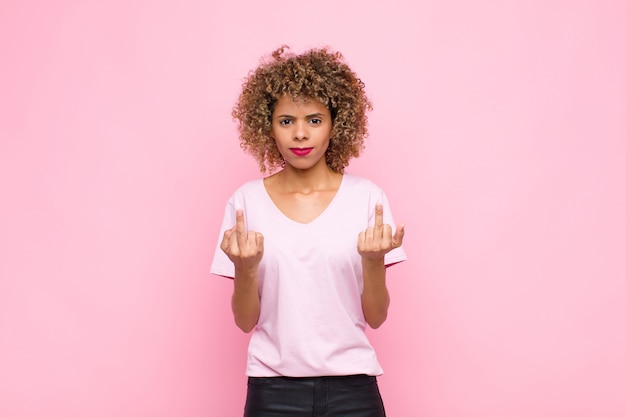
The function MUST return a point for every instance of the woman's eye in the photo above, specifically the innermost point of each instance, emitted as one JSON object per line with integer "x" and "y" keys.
{"x": 285, "y": 122}
{"x": 316, "y": 121}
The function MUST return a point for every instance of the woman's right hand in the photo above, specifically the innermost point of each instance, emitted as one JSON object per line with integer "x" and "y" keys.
{"x": 244, "y": 249}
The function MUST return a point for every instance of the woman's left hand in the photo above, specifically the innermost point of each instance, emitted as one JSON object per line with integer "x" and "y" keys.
{"x": 376, "y": 241}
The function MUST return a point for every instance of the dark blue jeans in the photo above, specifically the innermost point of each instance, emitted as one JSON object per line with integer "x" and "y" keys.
{"x": 328, "y": 396}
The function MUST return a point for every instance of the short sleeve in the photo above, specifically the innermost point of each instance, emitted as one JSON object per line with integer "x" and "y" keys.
{"x": 396, "y": 255}
{"x": 221, "y": 265}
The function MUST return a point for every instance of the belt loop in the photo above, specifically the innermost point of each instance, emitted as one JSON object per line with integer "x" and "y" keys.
{"x": 320, "y": 402}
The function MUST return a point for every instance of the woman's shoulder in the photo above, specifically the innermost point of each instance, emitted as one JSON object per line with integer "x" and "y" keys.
{"x": 356, "y": 182}
{"x": 248, "y": 188}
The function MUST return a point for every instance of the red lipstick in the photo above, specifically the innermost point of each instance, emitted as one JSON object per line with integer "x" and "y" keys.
{"x": 301, "y": 151}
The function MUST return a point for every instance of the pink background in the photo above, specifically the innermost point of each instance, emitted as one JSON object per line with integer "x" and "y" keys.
{"x": 498, "y": 133}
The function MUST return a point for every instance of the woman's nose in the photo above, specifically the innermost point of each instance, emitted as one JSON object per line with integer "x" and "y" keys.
{"x": 301, "y": 131}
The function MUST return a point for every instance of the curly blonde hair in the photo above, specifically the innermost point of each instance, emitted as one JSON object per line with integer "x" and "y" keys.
{"x": 317, "y": 74}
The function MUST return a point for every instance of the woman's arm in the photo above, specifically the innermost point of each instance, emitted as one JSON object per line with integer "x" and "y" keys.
{"x": 245, "y": 250}
{"x": 375, "y": 297}
{"x": 245, "y": 301}
{"x": 372, "y": 245}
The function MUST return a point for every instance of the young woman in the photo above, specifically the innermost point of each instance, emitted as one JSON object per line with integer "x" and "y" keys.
{"x": 308, "y": 246}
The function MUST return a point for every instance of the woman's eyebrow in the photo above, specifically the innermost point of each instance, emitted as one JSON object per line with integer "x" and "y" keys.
{"x": 308, "y": 116}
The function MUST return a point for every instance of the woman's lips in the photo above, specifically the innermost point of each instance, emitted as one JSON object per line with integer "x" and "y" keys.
{"x": 301, "y": 151}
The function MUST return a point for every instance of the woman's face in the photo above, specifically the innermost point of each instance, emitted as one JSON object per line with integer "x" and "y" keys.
{"x": 301, "y": 129}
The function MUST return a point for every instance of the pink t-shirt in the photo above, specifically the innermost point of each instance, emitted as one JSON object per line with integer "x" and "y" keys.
{"x": 310, "y": 282}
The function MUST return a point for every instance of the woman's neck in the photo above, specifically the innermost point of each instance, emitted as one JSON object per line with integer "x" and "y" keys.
{"x": 319, "y": 178}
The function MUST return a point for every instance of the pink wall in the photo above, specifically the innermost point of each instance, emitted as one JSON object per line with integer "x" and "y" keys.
{"x": 498, "y": 133}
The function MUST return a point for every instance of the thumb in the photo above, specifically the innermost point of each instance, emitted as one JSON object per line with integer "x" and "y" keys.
{"x": 259, "y": 241}
{"x": 396, "y": 240}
